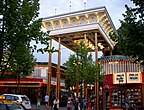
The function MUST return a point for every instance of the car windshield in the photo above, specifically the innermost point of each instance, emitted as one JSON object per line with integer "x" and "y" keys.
{"x": 15, "y": 107}
{"x": 25, "y": 99}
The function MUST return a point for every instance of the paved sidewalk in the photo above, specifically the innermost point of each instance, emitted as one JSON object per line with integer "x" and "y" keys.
{"x": 43, "y": 107}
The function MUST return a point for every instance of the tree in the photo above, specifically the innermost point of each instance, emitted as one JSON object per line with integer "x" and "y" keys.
{"x": 21, "y": 64}
{"x": 80, "y": 66}
{"x": 131, "y": 32}
{"x": 81, "y": 69}
{"x": 19, "y": 26}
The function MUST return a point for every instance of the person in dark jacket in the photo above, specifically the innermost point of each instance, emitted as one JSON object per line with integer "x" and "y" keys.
{"x": 76, "y": 104}
{"x": 84, "y": 103}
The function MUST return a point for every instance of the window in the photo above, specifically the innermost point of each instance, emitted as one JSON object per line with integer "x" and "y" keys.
{"x": 37, "y": 72}
{"x": 14, "y": 107}
{"x": 8, "y": 97}
{"x": 16, "y": 98}
{"x": 25, "y": 99}
{"x": 2, "y": 107}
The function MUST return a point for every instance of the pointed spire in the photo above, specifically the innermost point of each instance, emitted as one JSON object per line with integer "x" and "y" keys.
{"x": 55, "y": 9}
{"x": 70, "y": 5}
{"x": 85, "y": 2}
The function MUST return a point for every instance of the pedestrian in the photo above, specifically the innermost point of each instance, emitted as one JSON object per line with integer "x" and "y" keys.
{"x": 92, "y": 101}
{"x": 38, "y": 101}
{"x": 69, "y": 104}
{"x": 84, "y": 103}
{"x": 56, "y": 104}
{"x": 51, "y": 100}
{"x": 46, "y": 99}
{"x": 89, "y": 104}
{"x": 76, "y": 104}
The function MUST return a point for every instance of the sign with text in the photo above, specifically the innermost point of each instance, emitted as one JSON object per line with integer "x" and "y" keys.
{"x": 134, "y": 77}
{"x": 129, "y": 77}
{"x": 119, "y": 78}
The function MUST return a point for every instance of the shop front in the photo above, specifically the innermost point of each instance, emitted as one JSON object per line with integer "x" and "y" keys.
{"x": 123, "y": 90}
{"x": 32, "y": 87}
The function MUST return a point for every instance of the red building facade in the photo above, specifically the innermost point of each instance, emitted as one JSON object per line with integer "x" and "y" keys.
{"x": 35, "y": 85}
{"x": 115, "y": 92}
{"x": 124, "y": 82}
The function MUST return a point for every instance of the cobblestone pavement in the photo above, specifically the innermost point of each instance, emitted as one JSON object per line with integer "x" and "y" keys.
{"x": 42, "y": 107}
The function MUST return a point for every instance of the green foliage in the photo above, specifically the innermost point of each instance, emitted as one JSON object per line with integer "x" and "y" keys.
{"x": 22, "y": 62}
{"x": 131, "y": 32}
{"x": 81, "y": 67}
{"x": 71, "y": 71}
{"x": 19, "y": 26}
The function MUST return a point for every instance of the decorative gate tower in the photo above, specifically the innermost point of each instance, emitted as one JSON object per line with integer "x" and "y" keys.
{"x": 92, "y": 26}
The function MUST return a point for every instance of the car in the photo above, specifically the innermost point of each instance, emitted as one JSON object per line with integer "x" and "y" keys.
{"x": 10, "y": 105}
{"x": 23, "y": 99}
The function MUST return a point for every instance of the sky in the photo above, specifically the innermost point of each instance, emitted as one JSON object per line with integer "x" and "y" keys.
{"x": 47, "y": 8}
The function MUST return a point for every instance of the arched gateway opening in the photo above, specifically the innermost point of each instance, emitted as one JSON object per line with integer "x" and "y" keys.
{"x": 92, "y": 26}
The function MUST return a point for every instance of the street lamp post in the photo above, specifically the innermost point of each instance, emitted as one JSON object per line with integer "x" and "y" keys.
{"x": 81, "y": 85}
{"x": 81, "y": 82}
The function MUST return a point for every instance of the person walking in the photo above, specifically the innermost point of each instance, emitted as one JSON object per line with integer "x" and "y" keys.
{"x": 84, "y": 103}
{"x": 69, "y": 104}
{"x": 89, "y": 104}
{"x": 56, "y": 104}
{"x": 38, "y": 101}
{"x": 76, "y": 104}
{"x": 46, "y": 100}
{"x": 52, "y": 98}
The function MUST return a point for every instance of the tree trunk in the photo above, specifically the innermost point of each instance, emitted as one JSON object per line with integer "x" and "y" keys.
{"x": 85, "y": 89}
{"x": 18, "y": 83}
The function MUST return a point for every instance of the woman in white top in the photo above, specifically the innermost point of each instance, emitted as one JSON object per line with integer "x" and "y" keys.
{"x": 56, "y": 104}
{"x": 46, "y": 99}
